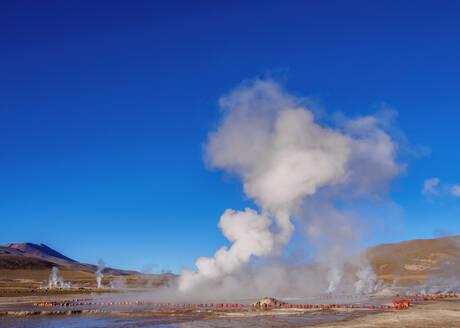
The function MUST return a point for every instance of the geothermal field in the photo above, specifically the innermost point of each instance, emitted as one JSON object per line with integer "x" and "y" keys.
{"x": 409, "y": 295}
{"x": 229, "y": 164}
{"x": 125, "y": 309}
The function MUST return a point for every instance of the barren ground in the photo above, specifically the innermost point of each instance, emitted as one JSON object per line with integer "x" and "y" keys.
{"x": 433, "y": 314}
{"x": 440, "y": 313}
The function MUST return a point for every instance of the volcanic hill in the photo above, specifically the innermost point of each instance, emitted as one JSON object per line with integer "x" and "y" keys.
{"x": 28, "y": 265}
{"x": 414, "y": 261}
{"x": 35, "y": 250}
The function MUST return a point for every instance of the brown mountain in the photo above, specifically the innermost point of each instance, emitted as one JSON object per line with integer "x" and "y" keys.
{"x": 416, "y": 260}
{"x": 29, "y": 265}
{"x": 17, "y": 256}
{"x": 35, "y": 250}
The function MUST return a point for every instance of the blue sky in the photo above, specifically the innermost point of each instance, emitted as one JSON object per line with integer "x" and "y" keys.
{"x": 105, "y": 107}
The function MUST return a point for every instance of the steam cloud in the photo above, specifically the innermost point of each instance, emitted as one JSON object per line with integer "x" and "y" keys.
{"x": 293, "y": 168}
{"x": 99, "y": 274}
{"x": 55, "y": 280}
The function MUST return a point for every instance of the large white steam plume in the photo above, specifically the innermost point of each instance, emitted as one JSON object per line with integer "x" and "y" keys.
{"x": 271, "y": 141}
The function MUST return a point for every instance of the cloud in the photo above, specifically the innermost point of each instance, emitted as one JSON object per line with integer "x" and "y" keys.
{"x": 456, "y": 190}
{"x": 430, "y": 186}
{"x": 434, "y": 186}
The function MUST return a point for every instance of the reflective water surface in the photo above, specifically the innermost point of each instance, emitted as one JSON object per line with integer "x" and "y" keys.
{"x": 105, "y": 321}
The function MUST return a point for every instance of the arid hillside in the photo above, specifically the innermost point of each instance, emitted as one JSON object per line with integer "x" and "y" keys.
{"x": 414, "y": 261}
{"x": 29, "y": 265}
{"x": 35, "y": 250}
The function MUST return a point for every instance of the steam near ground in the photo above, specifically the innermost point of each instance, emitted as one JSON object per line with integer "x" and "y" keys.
{"x": 300, "y": 173}
{"x": 99, "y": 274}
{"x": 56, "y": 281}
{"x": 446, "y": 279}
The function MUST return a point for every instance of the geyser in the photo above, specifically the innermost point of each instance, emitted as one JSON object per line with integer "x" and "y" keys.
{"x": 99, "y": 274}
{"x": 290, "y": 165}
{"x": 56, "y": 281}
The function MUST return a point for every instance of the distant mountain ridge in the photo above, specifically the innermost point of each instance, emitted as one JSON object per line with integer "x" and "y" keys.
{"x": 30, "y": 256}
{"x": 28, "y": 265}
{"x": 36, "y": 250}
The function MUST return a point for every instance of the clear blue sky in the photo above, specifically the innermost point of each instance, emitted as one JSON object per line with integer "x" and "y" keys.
{"x": 105, "y": 106}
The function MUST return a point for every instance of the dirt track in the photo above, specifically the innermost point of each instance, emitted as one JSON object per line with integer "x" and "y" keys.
{"x": 435, "y": 314}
